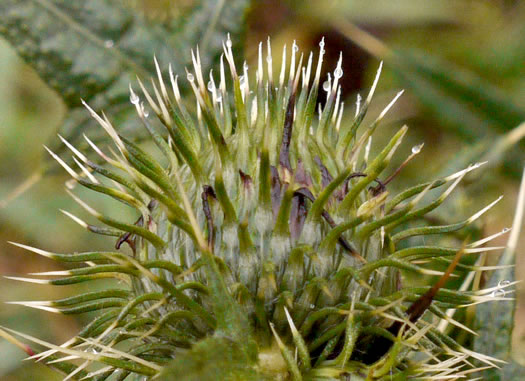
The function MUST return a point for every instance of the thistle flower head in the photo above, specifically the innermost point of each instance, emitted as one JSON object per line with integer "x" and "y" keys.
{"x": 267, "y": 240}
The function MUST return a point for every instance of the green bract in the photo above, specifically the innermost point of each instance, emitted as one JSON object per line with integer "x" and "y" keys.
{"x": 268, "y": 245}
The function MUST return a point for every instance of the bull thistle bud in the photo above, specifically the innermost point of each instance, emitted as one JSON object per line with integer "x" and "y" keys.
{"x": 268, "y": 244}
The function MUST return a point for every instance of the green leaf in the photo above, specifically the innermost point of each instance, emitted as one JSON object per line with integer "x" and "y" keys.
{"x": 94, "y": 49}
{"x": 495, "y": 320}
{"x": 216, "y": 358}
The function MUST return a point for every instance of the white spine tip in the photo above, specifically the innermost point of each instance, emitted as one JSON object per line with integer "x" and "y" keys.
{"x": 477, "y": 165}
{"x": 28, "y": 280}
{"x": 74, "y": 218}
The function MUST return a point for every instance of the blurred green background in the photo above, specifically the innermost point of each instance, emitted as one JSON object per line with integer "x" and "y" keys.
{"x": 462, "y": 64}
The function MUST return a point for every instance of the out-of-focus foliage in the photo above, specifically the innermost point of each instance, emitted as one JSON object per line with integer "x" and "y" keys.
{"x": 93, "y": 49}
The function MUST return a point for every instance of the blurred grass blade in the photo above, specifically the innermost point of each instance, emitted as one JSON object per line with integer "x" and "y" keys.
{"x": 21, "y": 189}
{"x": 385, "y": 12}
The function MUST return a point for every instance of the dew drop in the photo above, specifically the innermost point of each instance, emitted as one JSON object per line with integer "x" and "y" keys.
{"x": 109, "y": 44}
{"x": 338, "y": 72}
{"x": 229, "y": 42}
{"x": 417, "y": 149}
{"x": 321, "y": 44}
{"x": 326, "y": 86}
{"x": 498, "y": 293}
{"x": 503, "y": 283}
{"x": 211, "y": 86}
{"x": 245, "y": 66}
{"x": 219, "y": 98}
{"x": 71, "y": 184}
{"x": 269, "y": 59}
{"x": 134, "y": 98}
{"x": 242, "y": 81}
{"x": 144, "y": 111}
{"x": 295, "y": 48}
{"x": 190, "y": 77}
{"x": 505, "y": 230}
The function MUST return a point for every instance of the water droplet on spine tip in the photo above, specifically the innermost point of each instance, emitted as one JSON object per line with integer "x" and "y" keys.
{"x": 503, "y": 283}
{"x": 211, "y": 86}
{"x": 190, "y": 77}
{"x": 134, "y": 98}
{"x": 326, "y": 85}
{"x": 144, "y": 111}
{"x": 338, "y": 72}
{"x": 109, "y": 44}
{"x": 417, "y": 149}
{"x": 498, "y": 293}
